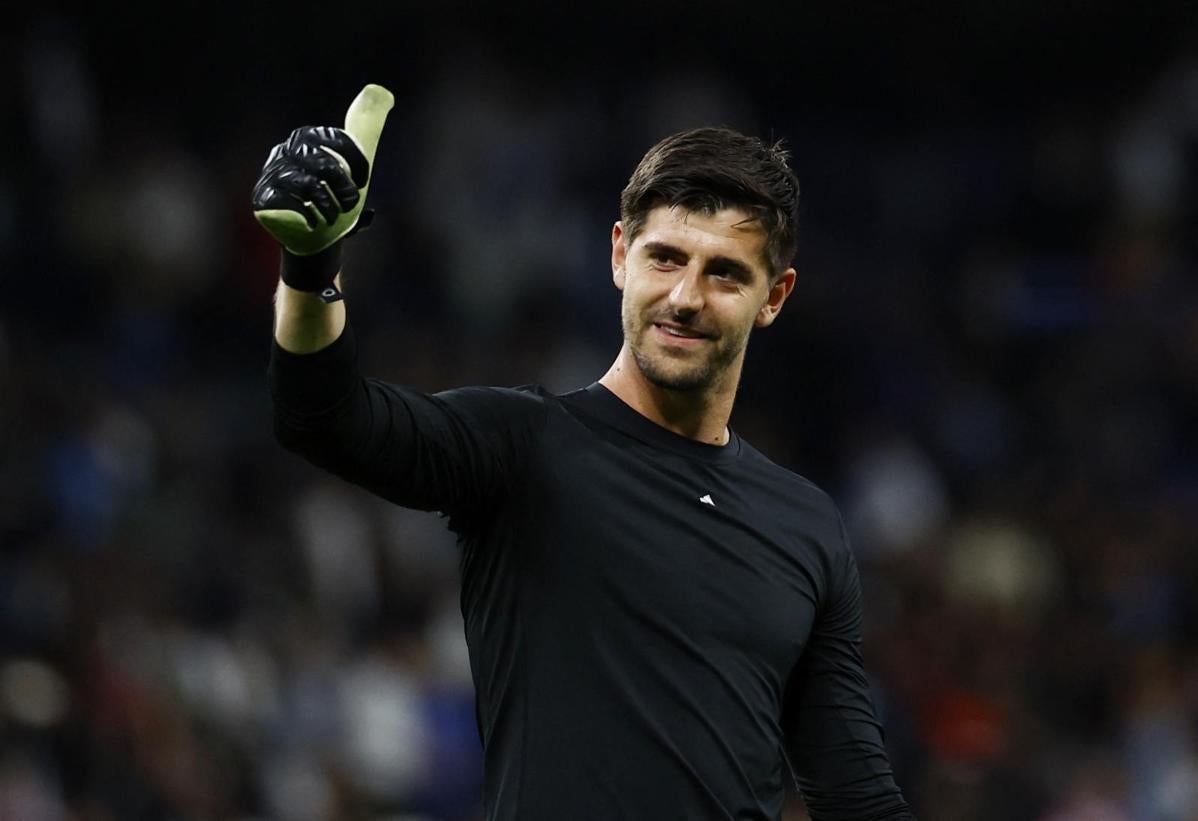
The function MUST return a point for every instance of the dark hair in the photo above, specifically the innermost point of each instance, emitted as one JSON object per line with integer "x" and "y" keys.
{"x": 709, "y": 169}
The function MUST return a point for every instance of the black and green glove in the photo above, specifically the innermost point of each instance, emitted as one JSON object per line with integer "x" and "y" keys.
{"x": 312, "y": 192}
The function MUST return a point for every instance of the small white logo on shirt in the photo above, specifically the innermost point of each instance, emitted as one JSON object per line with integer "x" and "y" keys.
{"x": 706, "y": 499}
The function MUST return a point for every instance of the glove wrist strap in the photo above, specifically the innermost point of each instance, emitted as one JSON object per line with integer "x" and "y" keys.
{"x": 313, "y": 273}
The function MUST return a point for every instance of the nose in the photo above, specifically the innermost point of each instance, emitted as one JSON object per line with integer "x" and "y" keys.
{"x": 686, "y": 297}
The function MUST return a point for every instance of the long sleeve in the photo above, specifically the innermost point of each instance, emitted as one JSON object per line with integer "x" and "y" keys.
{"x": 834, "y": 739}
{"x": 456, "y": 452}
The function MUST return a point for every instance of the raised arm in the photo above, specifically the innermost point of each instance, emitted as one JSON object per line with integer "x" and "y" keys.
{"x": 457, "y": 451}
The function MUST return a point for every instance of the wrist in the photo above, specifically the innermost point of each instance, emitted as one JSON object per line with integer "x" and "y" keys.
{"x": 312, "y": 273}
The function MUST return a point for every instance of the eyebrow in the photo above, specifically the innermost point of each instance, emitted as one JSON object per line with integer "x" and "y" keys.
{"x": 723, "y": 263}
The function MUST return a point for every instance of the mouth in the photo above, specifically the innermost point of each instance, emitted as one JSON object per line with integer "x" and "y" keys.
{"x": 678, "y": 335}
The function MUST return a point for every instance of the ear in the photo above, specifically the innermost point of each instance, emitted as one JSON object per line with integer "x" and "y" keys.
{"x": 618, "y": 255}
{"x": 779, "y": 291}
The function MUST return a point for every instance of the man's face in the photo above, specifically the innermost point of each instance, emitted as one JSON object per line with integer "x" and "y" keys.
{"x": 694, "y": 287}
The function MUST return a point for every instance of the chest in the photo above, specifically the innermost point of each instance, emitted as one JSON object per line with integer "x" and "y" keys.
{"x": 652, "y": 543}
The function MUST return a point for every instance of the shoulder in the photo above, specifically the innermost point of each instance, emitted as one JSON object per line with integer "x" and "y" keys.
{"x": 807, "y": 514}
{"x": 485, "y": 407}
{"x": 523, "y": 399}
{"x": 529, "y": 395}
{"x": 797, "y": 494}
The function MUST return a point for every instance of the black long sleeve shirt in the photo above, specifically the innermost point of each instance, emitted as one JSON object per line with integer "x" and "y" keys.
{"x": 657, "y": 627}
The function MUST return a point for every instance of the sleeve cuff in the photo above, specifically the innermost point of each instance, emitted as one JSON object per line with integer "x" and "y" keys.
{"x": 315, "y": 383}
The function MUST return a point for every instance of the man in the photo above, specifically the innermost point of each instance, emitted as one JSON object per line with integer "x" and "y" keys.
{"x": 660, "y": 620}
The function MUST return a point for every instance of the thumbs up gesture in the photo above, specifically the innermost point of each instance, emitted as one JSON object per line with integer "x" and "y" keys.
{"x": 312, "y": 189}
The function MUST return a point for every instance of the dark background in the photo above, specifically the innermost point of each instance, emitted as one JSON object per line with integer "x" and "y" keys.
{"x": 990, "y": 360}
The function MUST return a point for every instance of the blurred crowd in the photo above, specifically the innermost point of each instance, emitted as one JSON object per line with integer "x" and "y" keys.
{"x": 990, "y": 362}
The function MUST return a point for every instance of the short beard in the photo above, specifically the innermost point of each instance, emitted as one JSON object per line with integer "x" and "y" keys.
{"x": 698, "y": 379}
{"x": 706, "y": 376}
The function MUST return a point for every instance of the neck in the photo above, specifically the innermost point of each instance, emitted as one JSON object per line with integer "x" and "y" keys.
{"x": 701, "y": 415}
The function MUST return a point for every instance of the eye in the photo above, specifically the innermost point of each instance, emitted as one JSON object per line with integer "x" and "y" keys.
{"x": 661, "y": 259}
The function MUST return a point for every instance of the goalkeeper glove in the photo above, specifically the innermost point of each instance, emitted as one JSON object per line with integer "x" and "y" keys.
{"x": 312, "y": 192}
